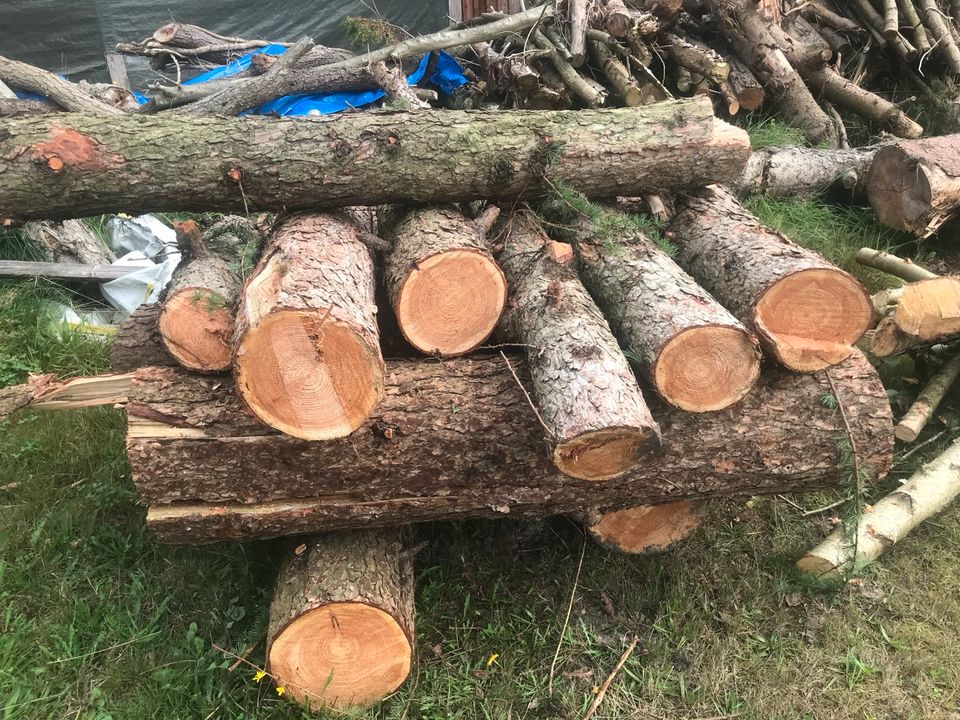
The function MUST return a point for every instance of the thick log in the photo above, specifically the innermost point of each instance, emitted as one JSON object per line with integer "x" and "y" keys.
{"x": 307, "y": 353}
{"x": 67, "y": 165}
{"x": 341, "y": 619}
{"x": 915, "y": 185}
{"x": 14, "y": 107}
{"x": 807, "y": 313}
{"x": 645, "y": 529}
{"x": 696, "y": 355}
{"x": 446, "y": 290}
{"x": 138, "y": 342}
{"x": 69, "y": 242}
{"x": 597, "y": 423}
{"x": 196, "y": 322}
{"x": 791, "y": 171}
{"x": 458, "y": 439}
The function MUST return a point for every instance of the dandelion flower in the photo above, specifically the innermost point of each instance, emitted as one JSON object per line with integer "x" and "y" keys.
{"x": 492, "y": 659}
{"x": 259, "y": 676}
{"x": 280, "y": 690}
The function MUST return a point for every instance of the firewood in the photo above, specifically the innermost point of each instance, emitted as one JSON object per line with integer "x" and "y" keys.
{"x": 915, "y": 186}
{"x": 444, "y": 286}
{"x": 617, "y": 74}
{"x": 749, "y": 91}
{"x": 790, "y": 171}
{"x": 71, "y": 241}
{"x": 196, "y": 322}
{"x": 577, "y": 11}
{"x": 939, "y": 26}
{"x": 307, "y": 353}
{"x": 929, "y": 309}
{"x": 341, "y": 619}
{"x": 696, "y": 355}
{"x": 923, "y": 408}
{"x": 63, "y": 92}
{"x": 813, "y": 10}
{"x": 696, "y": 58}
{"x": 912, "y": 20}
{"x": 807, "y": 313}
{"x": 622, "y": 21}
{"x": 597, "y": 423}
{"x": 645, "y": 529}
{"x": 95, "y": 163}
{"x": 928, "y": 491}
{"x": 590, "y": 96}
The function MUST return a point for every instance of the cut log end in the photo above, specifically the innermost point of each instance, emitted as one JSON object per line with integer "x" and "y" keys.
{"x": 603, "y": 454}
{"x": 817, "y": 566}
{"x": 707, "y": 368}
{"x": 647, "y": 528}
{"x": 751, "y": 98}
{"x": 341, "y": 654}
{"x": 196, "y": 327}
{"x": 313, "y": 377}
{"x": 451, "y": 302}
{"x": 898, "y": 188}
{"x": 812, "y": 318}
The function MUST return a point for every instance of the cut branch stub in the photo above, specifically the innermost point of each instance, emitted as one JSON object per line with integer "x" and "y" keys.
{"x": 807, "y": 313}
{"x": 307, "y": 358}
{"x": 645, "y": 529}
{"x": 445, "y": 288}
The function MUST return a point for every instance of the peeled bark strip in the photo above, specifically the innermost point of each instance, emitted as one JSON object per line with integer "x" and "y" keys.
{"x": 307, "y": 358}
{"x": 341, "y": 619}
{"x": 696, "y": 355}
{"x": 915, "y": 186}
{"x": 645, "y": 529}
{"x": 807, "y": 313}
{"x": 597, "y": 422}
{"x": 69, "y": 241}
{"x": 791, "y": 171}
{"x": 138, "y": 342}
{"x": 445, "y": 288}
{"x": 67, "y": 165}
{"x": 458, "y": 439}
{"x": 196, "y": 322}
{"x": 919, "y": 414}
{"x": 929, "y": 490}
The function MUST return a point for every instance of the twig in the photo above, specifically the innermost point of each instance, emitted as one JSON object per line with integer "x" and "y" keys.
{"x": 533, "y": 407}
{"x": 246, "y": 653}
{"x": 606, "y": 683}
{"x": 909, "y": 452}
{"x": 566, "y": 620}
{"x": 239, "y": 659}
{"x": 831, "y": 506}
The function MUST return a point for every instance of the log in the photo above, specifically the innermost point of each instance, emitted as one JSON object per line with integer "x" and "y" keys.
{"x": 791, "y": 171}
{"x": 807, "y": 313}
{"x": 929, "y": 490}
{"x": 41, "y": 82}
{"x": 14, "y": 107}
{"x": 64, "y": 165}
{"x": 903, "y": 268}
{"x": 697, "y": 59}
{"x": 694, "y": 353}
{"x": 577, "y": 10}
{"x": 444, "y": 286}
{"x": 458, "y": 439}
{"x": 341, "y": 619}
{"x": 929, "y": 309}
{"x": 596, "y": 421}
{"x": 750, "y": 93}
{"x": 20, "y": 269}
{"x": 196, "y": 322}
{"x": 306, "y": 348}
{"x": 915, "y": 186}
{"x": 69, "y": 242}
{"x": 138, "y": 342}
{"x": 939, "y": 26}
{"x": 923, "y": 408}
{"x": 591, "y": 95}
{"x": 617, "y": 74}
{"x": 623, "y": 22}
{"x": 645, "y": 529}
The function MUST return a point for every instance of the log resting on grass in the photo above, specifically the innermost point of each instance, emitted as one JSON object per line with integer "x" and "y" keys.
{"x": 915, "y": 185}
{"x": 66, "y": 165}
{"x": 341, "y": 619}
{"x": 458, "y": 439}
{"x": 645, "y": 529}
{"x": 923, "y": 408}
{"x": 790, "y": 171}
{"x": 597, "y": 423}
{"x": 807, "y": 313}
{"x": 307, "y": 352}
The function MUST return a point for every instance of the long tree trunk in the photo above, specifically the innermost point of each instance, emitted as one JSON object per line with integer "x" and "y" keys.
{"x": 695, "y": 354}
{"x": 307, "y": 351}
{"x": 341, "y": 619}
{"x": 807, "y": 313}
{"x": 644, "y": 529}
{"x": 790, "y": 171}
{"x": 458, "y": 439}
{"x": 68, "y": 165}
{"x": 445, "y": 288}
{"x": 915, "y": 185}
{"x": 597, "y": 423}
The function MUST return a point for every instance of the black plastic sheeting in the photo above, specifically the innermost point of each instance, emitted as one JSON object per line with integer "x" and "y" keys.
{"x": 70, "y": 37}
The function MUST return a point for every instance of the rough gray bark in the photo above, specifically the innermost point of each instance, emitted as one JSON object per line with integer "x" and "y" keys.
{"x": 64, "y": 93}
{"x": 458, "y": 439}
{"x": 64, "y": 165}
{"x": 597, "y": 423}
{"x": 617, "y": 74}
{"x": 341, "y": 630}
{"x": 70, "y": 241}
{"x": 138, "y": 342}
{"x": 14, "y": 107}
{"x": 790, "y": 171}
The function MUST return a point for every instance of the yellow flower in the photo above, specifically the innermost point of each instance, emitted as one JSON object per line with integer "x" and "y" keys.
{"x": 259, "y": 676}
{"x": 492, "y": 659}
{"x": 280, "y": 690}
{"x": 595, "y": 689}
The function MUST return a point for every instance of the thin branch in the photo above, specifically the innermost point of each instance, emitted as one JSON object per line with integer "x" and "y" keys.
{"x": 566, "y": 620}
{"x": 606, "y": 683}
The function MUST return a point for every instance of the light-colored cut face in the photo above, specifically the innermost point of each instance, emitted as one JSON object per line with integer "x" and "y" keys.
{"x": 308, "y": 375}
{"x": 451, "y": 302}
{"x": 813, "y": 318}
{"x": 899, "y": 190}
{"x": 707, "y": 368}
{"x": 648, "y": 528}
{"x": 196, "y": 327}
{"x": 601, "y": 454}
{"x": 341, "y": 654}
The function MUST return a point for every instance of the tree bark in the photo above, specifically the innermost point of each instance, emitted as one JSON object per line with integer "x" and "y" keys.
{"x": 934, "y": 19}
{"x": 64, "y": 93}
{"x": 701, "y": 60}
{"x": 341, "y": 620}
{"x": 307, "y": 353}
{"x": 905, "y": 269}
{"x": 597, "y": 423}
{"x": 791, "y": 171}
{"x": 14, "y": 107}
{"x": 696, "y": 355}
{"x": 750, "y": 93}
{"x": 138, "y": 342}
{"x": 458, "y": 439}
{"x": 70, "y": 241}
{"x": 929, "y": 490}
{"x": 64, "y": 165}
{"x": 915, "y": 186}
{"x": 617, "y": 74}
{"x": 807, "y": 313}
{"x": 644, "y": 529}
{"x": 444, "y": 286}
{"x": 922, "y": 409}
